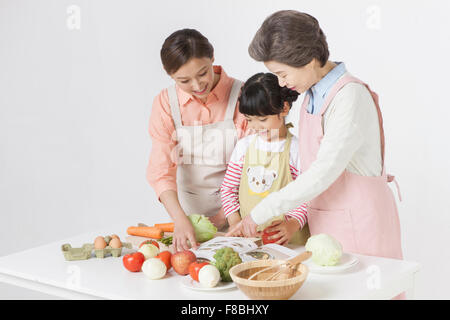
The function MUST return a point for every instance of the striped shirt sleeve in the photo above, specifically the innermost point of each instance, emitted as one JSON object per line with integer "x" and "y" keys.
{"x": 230, "y": 185}
{"x": 230, "y": 188}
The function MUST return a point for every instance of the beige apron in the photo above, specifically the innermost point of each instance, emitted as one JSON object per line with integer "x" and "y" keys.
{"x": 265, "y": 172}
{"x": 204, "y": 151}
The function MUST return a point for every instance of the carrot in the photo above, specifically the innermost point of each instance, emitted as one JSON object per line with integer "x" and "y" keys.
{"x": 166, "y": 227}
{"x": 149, "y": 232}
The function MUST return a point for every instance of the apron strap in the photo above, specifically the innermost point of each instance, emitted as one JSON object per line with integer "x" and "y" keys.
{"x": 341, "y": 83}
{"x": 305, "y": 102}
{"x": 174, "y": 106}
{"x": 351, "y": 79}
{"x": 392, "y": 179}
{"x": 232, "y": 99}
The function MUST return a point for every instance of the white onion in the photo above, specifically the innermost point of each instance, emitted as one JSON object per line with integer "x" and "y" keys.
{"x": 154, "y": 268}
{"x": 209, "y": 276}
{"x": 149, "y": 251}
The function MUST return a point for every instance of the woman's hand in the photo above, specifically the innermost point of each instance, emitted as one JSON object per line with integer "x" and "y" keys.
{"x": 183, "y": 232}
{"x": 285, "y": 230}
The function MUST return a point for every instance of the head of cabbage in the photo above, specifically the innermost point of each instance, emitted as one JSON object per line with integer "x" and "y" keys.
{"x": 326, "y": 250}
{"x": 204, "y": 229}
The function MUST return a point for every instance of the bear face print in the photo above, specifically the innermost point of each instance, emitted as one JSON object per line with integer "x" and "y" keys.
{"x": 259, "y": 179}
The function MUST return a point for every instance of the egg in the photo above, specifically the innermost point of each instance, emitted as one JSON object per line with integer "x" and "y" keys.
{"x": 115, "y": 243}
{"x": 99, "y": 243}
{"x": 115, "y": 236}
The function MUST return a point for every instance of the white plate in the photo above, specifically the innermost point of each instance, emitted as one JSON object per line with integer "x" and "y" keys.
{"x": 347, "y": 261}
{"x": 188, "y": 282}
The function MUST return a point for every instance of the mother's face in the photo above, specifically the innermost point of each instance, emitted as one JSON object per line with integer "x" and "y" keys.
{"x": 196, "y": 77}
{"x": 298, "y": 79}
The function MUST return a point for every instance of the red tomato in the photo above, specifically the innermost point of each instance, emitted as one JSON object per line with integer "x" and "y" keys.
{"x": 195, "y": 267}
{"x": 266, "y": 235}
{"x": 149, "y": 242}
{"x": 165, "y": 257}
{"x": 133, "y": 261}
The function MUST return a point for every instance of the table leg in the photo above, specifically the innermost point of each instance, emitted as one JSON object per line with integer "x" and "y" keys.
{"x": 410, "y": 291}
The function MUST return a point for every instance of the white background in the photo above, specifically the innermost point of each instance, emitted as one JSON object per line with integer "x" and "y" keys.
{"x": 75, "y": 105}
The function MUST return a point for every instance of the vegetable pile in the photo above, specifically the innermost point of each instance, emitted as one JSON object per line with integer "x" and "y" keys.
{"x": 225, "y": 259}
{"x": 149, "y": 259}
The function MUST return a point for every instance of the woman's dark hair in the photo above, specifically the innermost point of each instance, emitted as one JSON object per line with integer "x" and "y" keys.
{"x": 181, "y": 46}
{"x": 290, "y": 37}
{"x": 261, "y": 95}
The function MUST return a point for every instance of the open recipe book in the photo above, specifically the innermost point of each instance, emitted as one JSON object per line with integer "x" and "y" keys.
{"x": 248, "y": 248}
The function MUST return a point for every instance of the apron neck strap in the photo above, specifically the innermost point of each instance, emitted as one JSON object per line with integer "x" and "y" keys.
{"x": 232, "y": 99}
{"x": 174, "y": 106}
{"x": 338, "y": 86}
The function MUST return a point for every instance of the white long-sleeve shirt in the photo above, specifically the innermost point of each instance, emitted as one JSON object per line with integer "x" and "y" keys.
{"x": 351, "y": 142}
{"x": 231, "y": 182}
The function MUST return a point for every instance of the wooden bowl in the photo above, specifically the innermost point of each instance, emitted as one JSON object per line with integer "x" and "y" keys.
{"x": 279, "y": 289}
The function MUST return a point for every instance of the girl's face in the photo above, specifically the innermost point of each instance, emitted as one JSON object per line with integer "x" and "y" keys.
{"x": 196, "y": 77}
{"x": 298, "y": 79}
{"x": 269, "y": 127}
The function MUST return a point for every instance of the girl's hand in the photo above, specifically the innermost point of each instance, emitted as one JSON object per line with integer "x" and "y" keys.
{"x": 247, "y": 227}
{"x": 219, "y": 219}
{"x": 183, "y": 231}
{"x": 233, "y": 219}
{"x": 285, "y": 230}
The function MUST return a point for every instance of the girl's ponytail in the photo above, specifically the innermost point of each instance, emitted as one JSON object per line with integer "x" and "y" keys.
{"x": 288, "y": 95}
{"x": 261, "y": 95}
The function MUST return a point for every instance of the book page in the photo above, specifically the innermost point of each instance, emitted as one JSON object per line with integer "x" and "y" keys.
{"x": 249, "y": 249}
{"x": 208, "y": 249}
{"x": 269, "y": 251}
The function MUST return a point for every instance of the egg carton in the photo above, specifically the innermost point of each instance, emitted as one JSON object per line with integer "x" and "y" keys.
{"x": 85, "y": 251}
{"x": 115, "y": 252}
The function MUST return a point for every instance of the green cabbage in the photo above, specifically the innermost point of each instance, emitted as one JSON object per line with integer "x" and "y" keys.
{"x": 326, "y": 250}
{"x": 204, "y": 229}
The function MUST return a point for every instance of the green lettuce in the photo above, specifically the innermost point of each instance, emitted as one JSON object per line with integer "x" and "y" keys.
{"x": 326, "y": 250}
{"x": 204, "y": 229}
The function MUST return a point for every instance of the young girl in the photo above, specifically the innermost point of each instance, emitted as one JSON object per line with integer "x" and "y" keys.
{"x": 265, "y": 160}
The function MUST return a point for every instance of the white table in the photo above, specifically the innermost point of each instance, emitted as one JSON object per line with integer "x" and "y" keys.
{"x": 44, "y": 269}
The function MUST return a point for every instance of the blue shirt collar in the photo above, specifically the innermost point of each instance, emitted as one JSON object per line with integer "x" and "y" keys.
{"x": 321, "y": 88}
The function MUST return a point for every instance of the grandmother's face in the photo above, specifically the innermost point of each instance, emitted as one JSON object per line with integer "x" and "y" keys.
{"x": 298, "y": 79}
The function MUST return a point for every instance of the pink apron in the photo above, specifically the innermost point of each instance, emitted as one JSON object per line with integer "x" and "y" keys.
{"x": 359, "y": 211}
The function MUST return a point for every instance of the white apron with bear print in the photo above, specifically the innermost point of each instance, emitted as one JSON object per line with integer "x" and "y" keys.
{"x": 265, "y": 172}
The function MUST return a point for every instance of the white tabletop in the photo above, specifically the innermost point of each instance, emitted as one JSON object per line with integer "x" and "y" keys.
{"x": 44, "y": 269}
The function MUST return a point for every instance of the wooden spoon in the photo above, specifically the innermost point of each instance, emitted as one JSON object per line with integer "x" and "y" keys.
{"x": 288, "y": 263}
{"x": 287, "y": 270}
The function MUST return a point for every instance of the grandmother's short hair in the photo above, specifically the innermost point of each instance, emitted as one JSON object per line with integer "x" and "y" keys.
{"x": 290, "y": 37}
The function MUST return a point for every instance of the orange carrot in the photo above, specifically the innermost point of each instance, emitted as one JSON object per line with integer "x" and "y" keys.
{"x": 166, "y": 227}
{"x": 149, "y": 232}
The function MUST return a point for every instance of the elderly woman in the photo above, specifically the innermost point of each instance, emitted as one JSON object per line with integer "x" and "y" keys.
{"x": 341, "y": 143}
